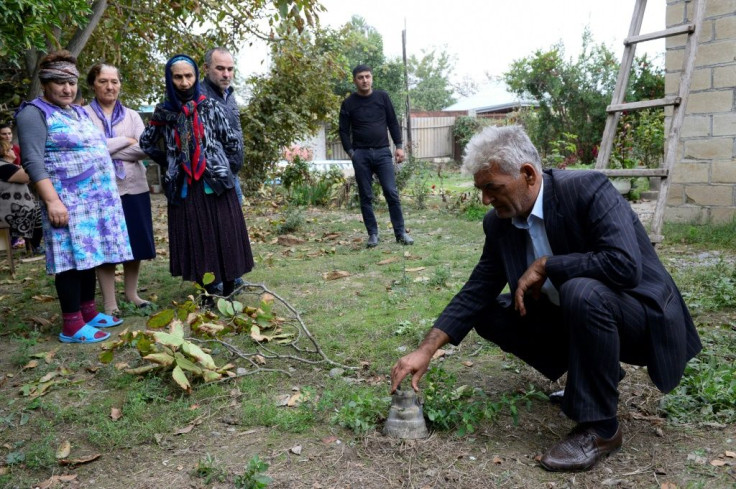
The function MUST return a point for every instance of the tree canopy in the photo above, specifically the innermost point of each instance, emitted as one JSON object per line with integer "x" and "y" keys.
{"x": 135, "y": 35}
{"x": 573, "y": 93}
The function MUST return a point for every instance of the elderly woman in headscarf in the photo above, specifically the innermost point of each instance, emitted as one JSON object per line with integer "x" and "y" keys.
{"x": 189, "y": 135}
{"x": 123, "y": 128}
{"x": 66, "y": 157}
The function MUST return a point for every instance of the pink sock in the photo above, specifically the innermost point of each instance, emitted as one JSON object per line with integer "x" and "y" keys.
{"x": 89, "y": 310}
{"x": 73, "y": 322}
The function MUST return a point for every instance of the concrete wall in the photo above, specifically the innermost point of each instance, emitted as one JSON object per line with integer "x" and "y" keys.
{"x": 703, "y": 185}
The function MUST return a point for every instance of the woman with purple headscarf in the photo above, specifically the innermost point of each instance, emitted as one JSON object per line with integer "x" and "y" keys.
{"x": 122, "y": 128}
{"x": 190, "y": 136}
{"x": 66, "y": 157}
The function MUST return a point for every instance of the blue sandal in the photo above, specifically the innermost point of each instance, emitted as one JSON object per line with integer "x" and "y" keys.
{"x": 85, "y": 335}
{"x": 103, "y": 320}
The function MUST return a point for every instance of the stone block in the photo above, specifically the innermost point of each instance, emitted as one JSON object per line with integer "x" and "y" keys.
{"x": 722, "y": 215}
{"x": 709, "y": 195}
{"x": 675, "y": 14}
{"x": 723, "y": 171}
{"x": 691, "y": 172}
{"x": 702, "y": 80}
{"x": 709, "y": 149}
{"x": 724, "y": 124}
{"x": 675, "y": 41}
{"x": 714, "y": 53}
{"x": 711, "y": 102}
{"x": 725, "y": 27}
{"x": 696, "y": 126}
{"x": 685, "y": 215}
{"x": 676, "y": 195}
{"x": 715, "y": 8}
{"x": 673, "y": 60}
{"x": 724, "y": 76}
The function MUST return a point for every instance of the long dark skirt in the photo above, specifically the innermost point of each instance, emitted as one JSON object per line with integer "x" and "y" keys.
{"x": 207, "y": 233}
{"x": 137, "y": 210}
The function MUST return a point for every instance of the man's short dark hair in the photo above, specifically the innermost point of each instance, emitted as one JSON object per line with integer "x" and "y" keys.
{"x": 360, "y": 69}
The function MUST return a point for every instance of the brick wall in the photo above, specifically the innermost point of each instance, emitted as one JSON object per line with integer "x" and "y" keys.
{"x": 703, "y": 185}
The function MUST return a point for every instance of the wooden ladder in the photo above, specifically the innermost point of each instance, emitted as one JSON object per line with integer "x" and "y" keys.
{"x": 677, "y": 102}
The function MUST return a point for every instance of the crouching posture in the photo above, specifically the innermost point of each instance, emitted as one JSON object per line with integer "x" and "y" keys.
{"x": 587, "y": 291}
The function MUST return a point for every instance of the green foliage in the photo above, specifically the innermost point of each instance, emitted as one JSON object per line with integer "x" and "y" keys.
{"x": 711, "y": 235}
{"x": 573, "y": 94}
{"x": 135, "y": 36}
{"x": 440, "y": 276}
{"x": 288, "y": 103}
{"x": 463, "y": 408}
{"x": 295, "y": 173}
{"x": 639, "y": 140}
{"x": 292, "y": 221}
{"x": 465, "y": 128}
{"x": 362, "y": 411}
{"x": 563, "y": 152}
{"x": 253, "y": 477}
{"x": 707, "y": 392}
{"x": 429, "y": 85}
{"x": 209, "y": 469}
{"x": 710, "y": 287}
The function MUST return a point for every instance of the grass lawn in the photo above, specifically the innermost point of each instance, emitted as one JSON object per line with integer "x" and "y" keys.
{"x": 317, "y": 423}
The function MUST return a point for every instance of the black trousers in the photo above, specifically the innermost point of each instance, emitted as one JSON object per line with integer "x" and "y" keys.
{"x": 592, "y": 330}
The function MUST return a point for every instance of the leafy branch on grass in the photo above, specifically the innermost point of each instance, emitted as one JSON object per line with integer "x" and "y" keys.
{"x": 179, "y": 354}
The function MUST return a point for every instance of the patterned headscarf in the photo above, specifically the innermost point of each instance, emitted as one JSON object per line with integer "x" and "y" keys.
{"x": 59, "y": 70}
{"x": 188, "y": 128}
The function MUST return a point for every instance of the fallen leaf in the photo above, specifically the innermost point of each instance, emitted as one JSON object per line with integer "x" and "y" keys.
{"x": 43, "y": 298}
{"x": 185, "y": 430}
{"x": 4, "y": 469}
{"x": 295, "y": 400}
{"x": 79, "y": 461}
{"x": 468, "y": 363}
{"x": 51, "y": 481}
{"x": 259, "y": 359}
{"x": 121, "y": 366}
{"x": 718, "y": 462}
{"x": 283, "y": 400}
{"x": 116, "y": 414}
{"x": 329, "y": 439}
{"x": 668, "y": 485}
{"x": 92, "y": 369}
{"x": 497, "y": 460}
{"x": 415, "y": 269}
{"x": 297, "y": 450}
{"x": 64, "y": 449}
{"x": 439, "y": 353}
{"x": 31, "y": 364}
{"x": 730, "y": 454}
{"x": 289, "y": 240}
{"x": 43, "y": 322}
{"x": 393, "y": 259}
{"x": 48, "y": 376}
{"x": 335, "y": 274}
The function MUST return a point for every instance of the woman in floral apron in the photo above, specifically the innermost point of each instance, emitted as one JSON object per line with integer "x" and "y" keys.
{"x": 66, "y": 157}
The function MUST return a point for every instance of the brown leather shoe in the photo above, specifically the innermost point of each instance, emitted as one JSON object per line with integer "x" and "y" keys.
{"x": 580, "y": 450}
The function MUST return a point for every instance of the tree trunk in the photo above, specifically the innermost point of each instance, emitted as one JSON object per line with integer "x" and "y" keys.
{"x": 75, "y": 46}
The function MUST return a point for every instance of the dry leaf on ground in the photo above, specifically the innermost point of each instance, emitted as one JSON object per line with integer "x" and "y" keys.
{"x": 335, "y": 274}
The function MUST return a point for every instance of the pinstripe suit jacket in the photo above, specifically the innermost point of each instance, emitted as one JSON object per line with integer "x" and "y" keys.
{"x": 593, "y": 233}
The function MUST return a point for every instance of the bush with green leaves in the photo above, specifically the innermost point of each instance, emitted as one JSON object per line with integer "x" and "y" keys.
{"x": 466, "y": 127}
{"x": 362, "y": 411}
{"x": 463, "y": 408}
{"x": 707, "y": 392}
{"x": 253, "y": 477}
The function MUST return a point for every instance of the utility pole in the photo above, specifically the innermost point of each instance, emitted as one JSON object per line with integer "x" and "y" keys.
{"x": 409, "y": 145}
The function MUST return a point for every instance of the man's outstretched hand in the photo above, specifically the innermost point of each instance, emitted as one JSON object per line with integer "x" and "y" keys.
{"x": 416, "y": 363}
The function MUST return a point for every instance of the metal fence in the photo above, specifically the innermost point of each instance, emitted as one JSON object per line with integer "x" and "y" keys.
{"x": 431, "y": 138}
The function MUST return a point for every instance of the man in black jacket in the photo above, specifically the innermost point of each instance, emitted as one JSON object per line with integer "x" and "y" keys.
{"x": 587, "y": 291}
{"x": 365, "y": 117}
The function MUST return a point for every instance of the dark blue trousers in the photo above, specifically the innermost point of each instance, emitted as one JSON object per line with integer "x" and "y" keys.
{"x": 366, "y": 162}
{"x": 587, "y": 335}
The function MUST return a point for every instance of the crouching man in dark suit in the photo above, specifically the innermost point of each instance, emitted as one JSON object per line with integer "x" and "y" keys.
{"x": 587, "y": 291}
